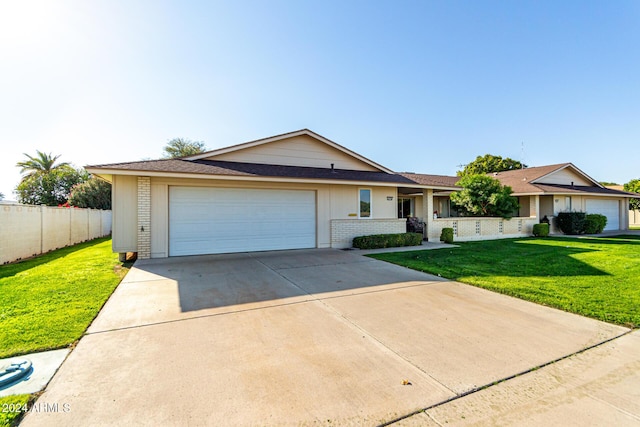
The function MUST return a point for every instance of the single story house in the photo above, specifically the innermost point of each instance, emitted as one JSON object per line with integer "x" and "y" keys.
{"x": 301, "y": 190}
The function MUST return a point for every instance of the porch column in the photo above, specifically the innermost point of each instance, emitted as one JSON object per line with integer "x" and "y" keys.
{"x": 427, "y": 209}
{"x": 144, "y": 217}
{"x": 624, "y": 214}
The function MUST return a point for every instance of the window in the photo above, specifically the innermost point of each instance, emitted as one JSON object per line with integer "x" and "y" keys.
{"x": 365, "y": 203}
{"x": 404, "y": 207}
{"x": 567, "y": 203}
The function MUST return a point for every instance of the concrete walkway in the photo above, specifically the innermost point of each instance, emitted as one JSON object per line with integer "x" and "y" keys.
{"x": 309, "y": 337}
{"x": 598, "y": 387}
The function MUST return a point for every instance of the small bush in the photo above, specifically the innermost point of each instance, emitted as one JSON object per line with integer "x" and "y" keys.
{"x": 446, "y": 235}
{"x": 541, "y": 230}
{"x": 376, "y": 241}
{"x": 594, "y": 223}
{"x": 571, "y": 222}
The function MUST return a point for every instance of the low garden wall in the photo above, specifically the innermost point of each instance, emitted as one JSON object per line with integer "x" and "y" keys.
{"x": 634, "y": 217}
{"x": 474, "y": 228}
{"x": 26, "y": 230}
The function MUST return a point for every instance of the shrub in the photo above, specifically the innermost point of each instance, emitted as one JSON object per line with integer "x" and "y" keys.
{"x": 541, "y": 230}
{"x": 446, "y": 235}
{"x": 571, "y": 222}
{"x": 594, "y": 223}
{"x": 376, "y": 241}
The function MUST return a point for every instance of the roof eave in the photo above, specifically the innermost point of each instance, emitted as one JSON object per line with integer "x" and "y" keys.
{"x": 261, "y": 178}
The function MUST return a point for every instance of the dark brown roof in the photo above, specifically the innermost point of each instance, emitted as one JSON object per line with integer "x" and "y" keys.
{"x": 432, "y": 180}
{"x": 582, "y": 189}
{"x": 514, "y": 179}
{"x": 219, "y": 167}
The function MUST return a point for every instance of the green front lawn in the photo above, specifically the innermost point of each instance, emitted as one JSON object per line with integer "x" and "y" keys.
{"x": 594, "y": 277}
{"x": 48, "y": 302}
{"x": 12, "y": 408}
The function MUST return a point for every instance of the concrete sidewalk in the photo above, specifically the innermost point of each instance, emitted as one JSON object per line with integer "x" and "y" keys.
{"x": 298, "y": 338}
{"x": 598, "y": 387}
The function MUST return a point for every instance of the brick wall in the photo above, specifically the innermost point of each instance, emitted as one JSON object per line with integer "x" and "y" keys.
{"x": 144, "y": 217}
{"x": 344, "y": 230}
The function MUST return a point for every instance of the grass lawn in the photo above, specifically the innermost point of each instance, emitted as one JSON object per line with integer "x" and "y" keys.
{"x": 594, "y": 277}
{"x": 12, "y": 408}
{"x": 634, "y": 227}
{"x": 49, "y": 301}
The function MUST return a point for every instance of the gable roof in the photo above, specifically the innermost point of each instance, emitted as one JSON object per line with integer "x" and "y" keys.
{"x": 220, "y": 168}
{"x": 521, "y": 177}
{"x": 307, "y": 132}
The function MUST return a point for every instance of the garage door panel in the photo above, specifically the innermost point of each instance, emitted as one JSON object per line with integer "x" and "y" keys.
{"x": 216, "y": 220}
{"x": 608, "y": 208}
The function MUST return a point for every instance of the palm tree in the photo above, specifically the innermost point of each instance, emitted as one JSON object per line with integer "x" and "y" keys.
{"x": 182, "y": 147}
{"x": 41, "y": 163}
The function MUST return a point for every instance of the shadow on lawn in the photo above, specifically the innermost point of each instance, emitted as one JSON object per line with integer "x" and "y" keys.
{"x": 510, "y": 258}
{"x": 8, "y": 270}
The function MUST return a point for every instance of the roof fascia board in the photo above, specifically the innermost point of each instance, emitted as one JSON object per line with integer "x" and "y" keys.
{"x": 261, "y": 179}
{"x": 281, "y": 137}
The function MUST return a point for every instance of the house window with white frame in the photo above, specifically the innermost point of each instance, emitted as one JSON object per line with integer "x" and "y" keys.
{"x": 364, "y": 203}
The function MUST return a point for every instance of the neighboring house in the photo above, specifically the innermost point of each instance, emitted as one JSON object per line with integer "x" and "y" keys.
{"x": 301, "y": 190}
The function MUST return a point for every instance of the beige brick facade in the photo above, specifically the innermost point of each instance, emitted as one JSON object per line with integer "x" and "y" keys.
{"x": 344, "y": 230}
{"x": 144, "y": 217}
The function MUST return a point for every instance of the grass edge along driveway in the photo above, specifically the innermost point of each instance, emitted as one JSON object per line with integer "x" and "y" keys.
{"x": 593, "y": 277}
{"x": 49, "y": 301}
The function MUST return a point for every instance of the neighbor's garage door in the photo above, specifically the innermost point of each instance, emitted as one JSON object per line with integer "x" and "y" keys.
{"x": 608, "y": 208}
{"x": 222, "y": 220}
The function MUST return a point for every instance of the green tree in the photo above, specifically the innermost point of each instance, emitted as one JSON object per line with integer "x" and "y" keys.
{"x": 94, "y": 193}
{"x": 181, "y": 147}
{"x": 489, "y": 164}
{"x": 482, "y": 195}
{"x": 46, "y": 182}
{"x": 1, "y": 196}
{"x": 633, "y": 186}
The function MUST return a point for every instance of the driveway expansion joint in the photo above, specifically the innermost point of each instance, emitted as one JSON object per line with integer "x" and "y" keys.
{"x": 500, "y": 381}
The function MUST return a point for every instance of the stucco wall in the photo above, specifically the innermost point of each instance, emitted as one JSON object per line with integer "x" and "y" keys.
{"x": 564, "y": 177}
{"x": 124, "y": 196}
{"x": 26, "y": 231}
{"x": 301, "y": 150}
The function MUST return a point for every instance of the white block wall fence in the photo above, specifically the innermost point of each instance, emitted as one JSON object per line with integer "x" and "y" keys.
{"x": 634, "y": 217}
{"x": 27, "y": 230}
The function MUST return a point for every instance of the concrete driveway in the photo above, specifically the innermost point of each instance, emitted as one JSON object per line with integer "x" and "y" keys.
{"x": 297, "y": 338}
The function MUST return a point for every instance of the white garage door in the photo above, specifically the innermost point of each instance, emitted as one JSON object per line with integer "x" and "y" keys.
{"x": 223, "y": 220}
{"x": 608, "y": 208}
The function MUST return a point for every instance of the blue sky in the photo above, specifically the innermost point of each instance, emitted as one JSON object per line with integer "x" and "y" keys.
{"x": 420, "y": 86}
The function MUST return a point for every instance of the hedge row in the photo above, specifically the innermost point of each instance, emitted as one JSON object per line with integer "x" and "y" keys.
{"x": 376, "y": 241}
{"x": 581, "y": 223}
